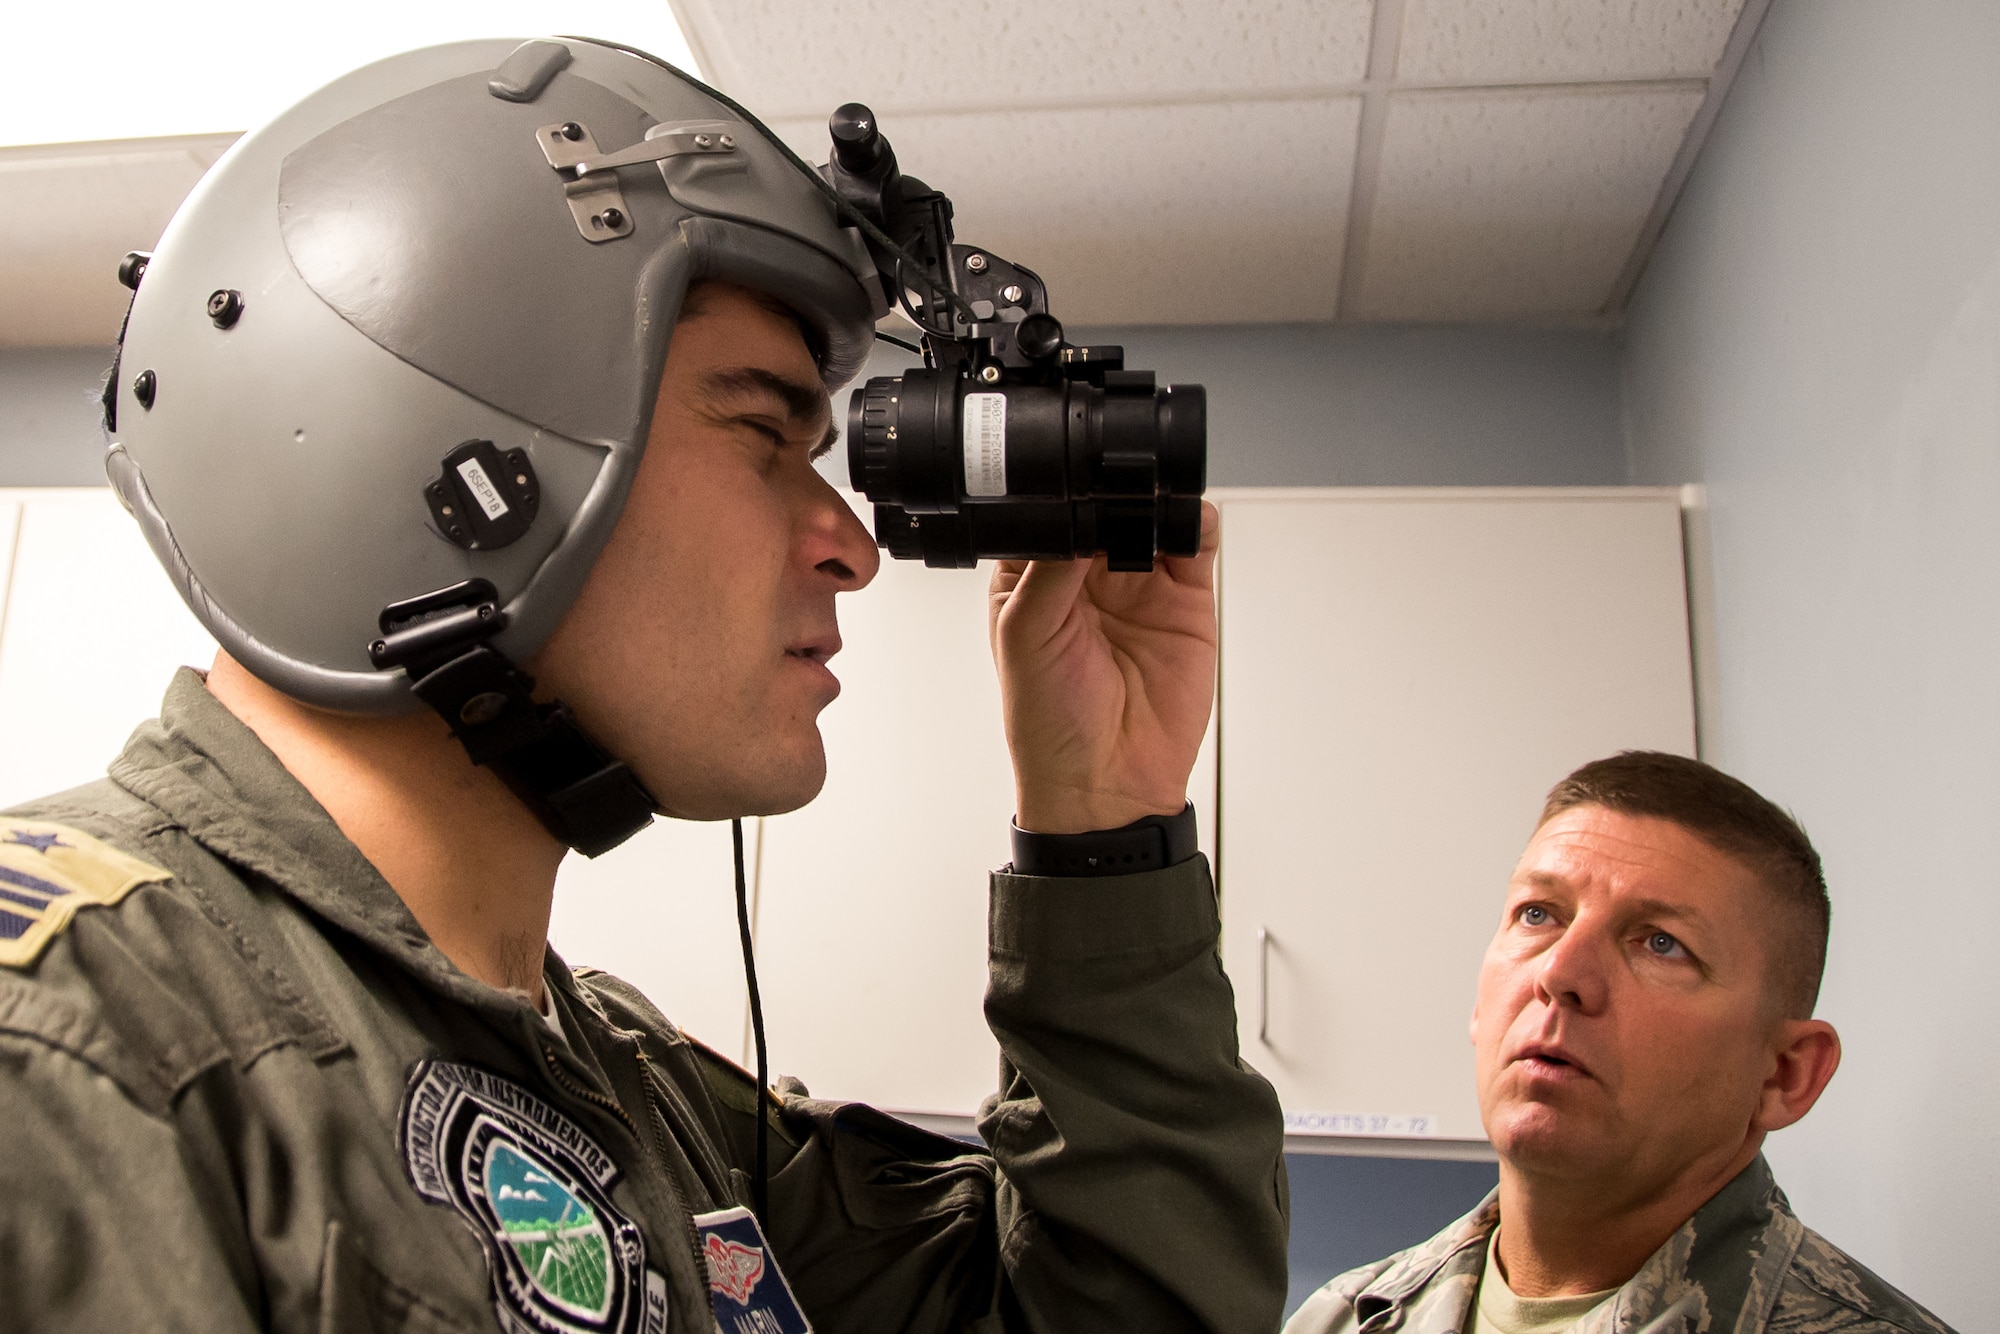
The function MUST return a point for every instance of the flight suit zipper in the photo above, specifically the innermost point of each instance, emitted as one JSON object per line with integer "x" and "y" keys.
{"x": 661, "y": 1148}
{"x": 577, "y": 1089}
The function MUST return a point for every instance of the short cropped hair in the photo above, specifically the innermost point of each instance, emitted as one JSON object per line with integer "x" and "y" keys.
{"x": 698, "y": 301}
{"x": 1736, "y": 820}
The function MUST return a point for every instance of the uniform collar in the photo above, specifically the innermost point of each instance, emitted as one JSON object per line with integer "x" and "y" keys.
{"x": 208, "y": 772}
{"x": 1721, "y": 1270}
{"x": 1429, "y": 1270}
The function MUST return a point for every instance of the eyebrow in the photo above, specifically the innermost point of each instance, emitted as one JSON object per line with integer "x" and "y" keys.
{"x": 1662, "y": 908}
{"x": 1543, "y": 880}
{"x": 803, "y": 402}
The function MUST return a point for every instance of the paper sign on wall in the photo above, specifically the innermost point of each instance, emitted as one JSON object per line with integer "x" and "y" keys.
{"x": 1396, "y": 1125}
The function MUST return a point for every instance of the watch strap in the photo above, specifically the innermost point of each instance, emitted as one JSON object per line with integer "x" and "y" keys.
{"x": 1151, "y": 844}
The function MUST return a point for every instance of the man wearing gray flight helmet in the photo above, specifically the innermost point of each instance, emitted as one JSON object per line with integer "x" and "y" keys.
{"x": 471, "y": 405}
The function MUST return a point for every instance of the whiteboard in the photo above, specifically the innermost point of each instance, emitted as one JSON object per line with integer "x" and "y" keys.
{"x": 1404, "y": 675}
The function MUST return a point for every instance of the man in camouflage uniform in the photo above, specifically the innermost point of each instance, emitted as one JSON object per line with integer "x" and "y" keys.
{"x": 406, "y": 401}
{"x": 1643, "y": 1022}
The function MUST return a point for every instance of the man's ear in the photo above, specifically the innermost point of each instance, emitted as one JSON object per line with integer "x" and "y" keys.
{"x": 1806, "y": 1052}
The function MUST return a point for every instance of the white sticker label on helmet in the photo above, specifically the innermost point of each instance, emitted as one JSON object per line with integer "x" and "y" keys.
{"x": 985, "y": 444}
{"x": 482, "y": 488}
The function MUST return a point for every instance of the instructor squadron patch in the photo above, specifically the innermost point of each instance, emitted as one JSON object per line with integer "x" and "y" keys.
{"x": 47, "y": 873}
{"x": 536, "y": 1189}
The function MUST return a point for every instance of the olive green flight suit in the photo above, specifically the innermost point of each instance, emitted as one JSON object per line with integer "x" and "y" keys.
{"x": 239, "y": 1090}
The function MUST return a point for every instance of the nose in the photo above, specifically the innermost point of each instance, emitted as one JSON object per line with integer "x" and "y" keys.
{"x": 836, "y": 542}
{"x": 1571, "y": 972}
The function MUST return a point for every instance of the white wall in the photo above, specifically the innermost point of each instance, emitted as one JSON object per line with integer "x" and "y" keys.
{"x": 1818, "y": 340}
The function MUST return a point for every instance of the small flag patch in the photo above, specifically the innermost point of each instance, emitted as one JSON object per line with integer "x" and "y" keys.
{"x": 749, "y": 1294}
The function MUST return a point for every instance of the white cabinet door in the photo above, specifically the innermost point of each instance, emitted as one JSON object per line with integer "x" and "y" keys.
{"x": 659, "y": 910}
{"x": 93, "y": 631}
{"x": 1405, "y": 674}
{"x": 871, "y": 928}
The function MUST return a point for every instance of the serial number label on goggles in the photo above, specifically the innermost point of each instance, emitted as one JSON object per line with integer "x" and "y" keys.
{"x": 985, "y": 444}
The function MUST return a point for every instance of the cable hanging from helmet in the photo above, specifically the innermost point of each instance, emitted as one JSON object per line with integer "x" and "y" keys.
{"x": 760, "y": 1184}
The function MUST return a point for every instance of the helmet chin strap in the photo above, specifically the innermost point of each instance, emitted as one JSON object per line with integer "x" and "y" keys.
{"x": 581, "y": 794}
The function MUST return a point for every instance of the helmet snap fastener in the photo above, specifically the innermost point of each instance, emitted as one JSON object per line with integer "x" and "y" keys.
{"x": 482, "y": 708}
{"x": 225, "y": 307}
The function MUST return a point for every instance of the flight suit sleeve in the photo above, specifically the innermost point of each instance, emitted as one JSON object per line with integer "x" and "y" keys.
{"x": 102, "y": 1226}
{"x": 1135, "y": 1178}
{"x": 1141, "y": 1168}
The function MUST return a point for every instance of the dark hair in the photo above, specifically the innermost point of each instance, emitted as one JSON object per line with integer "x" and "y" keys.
{"x": 695, "y": 302}
{"x": 1732, "y": 817}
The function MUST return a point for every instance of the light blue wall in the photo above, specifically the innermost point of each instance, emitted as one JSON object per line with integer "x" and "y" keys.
{"x": 1818, "y": 340}
{"x": 1325, "y": 405}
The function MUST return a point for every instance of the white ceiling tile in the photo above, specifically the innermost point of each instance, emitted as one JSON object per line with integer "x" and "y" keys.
{"x": 1514, "y": 205}
{"x": 1171, "y": 215}
{"x": 784, "y": 58}
{"x": 66, "y": 217}
{"x": 121, "y": 69}
{"x": 1487, "y": 41}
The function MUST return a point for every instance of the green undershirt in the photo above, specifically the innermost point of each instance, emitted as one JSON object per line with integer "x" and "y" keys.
{"x": 1499, "y": 1311}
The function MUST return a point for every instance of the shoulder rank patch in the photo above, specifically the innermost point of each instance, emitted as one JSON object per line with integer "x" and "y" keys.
{"x": 48, "y": 872}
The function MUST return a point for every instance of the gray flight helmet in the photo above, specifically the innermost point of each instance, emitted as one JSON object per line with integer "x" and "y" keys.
{"x": 407, "y": 262}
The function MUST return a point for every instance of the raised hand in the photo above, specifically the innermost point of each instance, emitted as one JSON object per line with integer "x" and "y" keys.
{"x": 1106, "y": 681}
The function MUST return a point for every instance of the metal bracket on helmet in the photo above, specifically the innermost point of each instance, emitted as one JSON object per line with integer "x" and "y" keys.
{"x": 582, "y": 795}
{"x": 595, "y": 200}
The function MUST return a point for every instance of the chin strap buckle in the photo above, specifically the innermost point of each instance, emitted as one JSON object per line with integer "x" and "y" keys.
{"x": 582, "y": 795}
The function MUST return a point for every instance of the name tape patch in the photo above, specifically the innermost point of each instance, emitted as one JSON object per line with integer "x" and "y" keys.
{"x": 749, "y": 1294}
{"x": 50, "y": 872}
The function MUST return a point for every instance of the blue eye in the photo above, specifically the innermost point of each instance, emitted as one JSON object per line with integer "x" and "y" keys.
{"x": 1535, "y": 915}
{"x": 1664, "y": 945}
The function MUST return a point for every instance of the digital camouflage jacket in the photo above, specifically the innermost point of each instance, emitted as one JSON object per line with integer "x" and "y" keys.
{"x": 240, "y": 1090}
{"x": 1744, "y": 1264}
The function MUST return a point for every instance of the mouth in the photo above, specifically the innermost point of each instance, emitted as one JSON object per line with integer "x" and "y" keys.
{"x": 813, "y": 654}
{"x": 1547, "y": 1060}
{"x": 815, "y": 651}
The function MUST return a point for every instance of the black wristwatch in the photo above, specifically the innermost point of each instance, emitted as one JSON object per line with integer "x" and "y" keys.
{"x": 1150, "y": 844}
